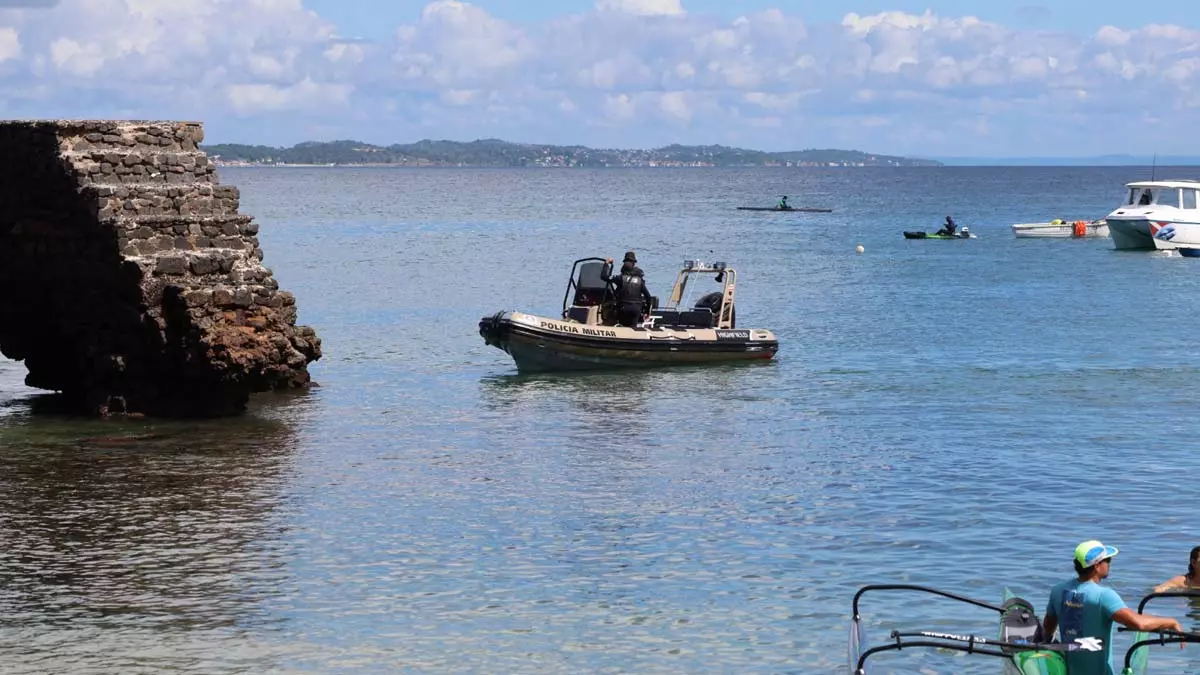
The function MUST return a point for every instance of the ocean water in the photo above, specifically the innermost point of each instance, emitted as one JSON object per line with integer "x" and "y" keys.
{"x": 951, "y": 413}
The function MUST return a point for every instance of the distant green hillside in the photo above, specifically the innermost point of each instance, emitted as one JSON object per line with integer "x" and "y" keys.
{"x": 496, "y": 153}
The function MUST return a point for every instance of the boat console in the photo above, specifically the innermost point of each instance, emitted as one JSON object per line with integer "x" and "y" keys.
{"x": 590, "y": 298}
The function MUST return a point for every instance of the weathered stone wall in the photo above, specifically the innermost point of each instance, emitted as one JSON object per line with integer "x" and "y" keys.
{"x": 131, "y": 283}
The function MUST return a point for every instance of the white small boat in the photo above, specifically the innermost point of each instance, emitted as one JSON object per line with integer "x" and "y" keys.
{"x": 1061, "y": 229}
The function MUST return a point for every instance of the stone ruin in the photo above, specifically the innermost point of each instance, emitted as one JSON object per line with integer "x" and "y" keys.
{"x": 130, "y": 282}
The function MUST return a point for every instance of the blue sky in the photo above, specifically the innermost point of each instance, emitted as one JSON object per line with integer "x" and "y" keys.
{"x": 377, "y": 18}
{"x": 934, "y": 79}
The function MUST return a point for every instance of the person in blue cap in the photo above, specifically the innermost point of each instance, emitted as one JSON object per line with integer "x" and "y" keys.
{"x": 1082, "y": 608}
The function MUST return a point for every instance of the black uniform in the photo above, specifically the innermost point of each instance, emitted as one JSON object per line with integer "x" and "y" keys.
{"x": 632, "y": 295}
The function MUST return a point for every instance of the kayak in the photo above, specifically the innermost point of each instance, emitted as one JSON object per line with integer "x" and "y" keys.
{"x": 964, "y": 234}
{"x": 800, "y": 209}
{"x": 1020, "y": 642}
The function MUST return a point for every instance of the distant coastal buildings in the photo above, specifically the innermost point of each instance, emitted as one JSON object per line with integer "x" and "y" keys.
{"x": 496, "y": 153}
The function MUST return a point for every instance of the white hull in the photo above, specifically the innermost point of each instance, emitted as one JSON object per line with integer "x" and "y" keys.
{"x": 1053, "y": 231}
{"x": 1170, "y": 236}
{"x": 1163, "y": 245}
{"x": 1130, "y": 235}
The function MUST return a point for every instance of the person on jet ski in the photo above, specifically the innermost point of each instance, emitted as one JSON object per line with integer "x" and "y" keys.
{"x": 783, "y": 203}
{"x": 949, "y": 228}
{"x": 632, "y": 295}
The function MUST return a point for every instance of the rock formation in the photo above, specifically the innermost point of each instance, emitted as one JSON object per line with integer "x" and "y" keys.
{"x": 131, "y": 284}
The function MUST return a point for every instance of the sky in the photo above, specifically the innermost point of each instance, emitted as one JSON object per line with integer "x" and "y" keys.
{"x": 939, "y": 78}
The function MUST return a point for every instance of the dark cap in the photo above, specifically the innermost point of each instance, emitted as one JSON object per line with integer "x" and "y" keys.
{"x": 630, "y": 257}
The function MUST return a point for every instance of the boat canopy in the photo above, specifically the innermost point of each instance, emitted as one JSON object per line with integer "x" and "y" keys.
{"x": 1180, "y": 194}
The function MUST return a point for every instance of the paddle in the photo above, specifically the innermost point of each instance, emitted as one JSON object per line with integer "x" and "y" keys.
{"x": 1078, "y": 644}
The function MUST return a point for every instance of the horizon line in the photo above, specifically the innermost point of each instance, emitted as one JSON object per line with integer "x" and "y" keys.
{"x": 1154, "y": 159}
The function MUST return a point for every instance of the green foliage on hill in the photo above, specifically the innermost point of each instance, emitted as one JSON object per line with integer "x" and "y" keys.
{"x": 496, "y": 153}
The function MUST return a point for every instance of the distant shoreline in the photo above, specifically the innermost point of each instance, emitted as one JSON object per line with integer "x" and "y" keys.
{"x": 399, "y": 165}
{"x": 493, "y": 153}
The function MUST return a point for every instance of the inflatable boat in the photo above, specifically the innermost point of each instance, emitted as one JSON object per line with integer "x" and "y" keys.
{"x": 586, "y": 334}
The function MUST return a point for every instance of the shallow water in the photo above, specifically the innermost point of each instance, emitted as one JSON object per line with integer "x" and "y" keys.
{"x": 954, "y": 413}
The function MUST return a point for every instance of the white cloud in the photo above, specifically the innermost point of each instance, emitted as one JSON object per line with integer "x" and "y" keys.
{"x": 619, "y": 107}
{"x": 249, "y": 99}
{"x": 642, "y": 7}
{"x": 1111, "y": 36}
{"x": 71, "y": 57}
{"x": 675, "y": 105}
{"x": 456, "y": 43}
{"x": 345, "y": 52}
{"x": 625, "y": 72}
{"x": 458, "y": 96}
{"x": 10, "y": 44}
{"x": 862, "y": 25}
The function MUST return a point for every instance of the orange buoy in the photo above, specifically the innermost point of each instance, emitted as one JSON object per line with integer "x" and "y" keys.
{"x": 1080, "y": 228}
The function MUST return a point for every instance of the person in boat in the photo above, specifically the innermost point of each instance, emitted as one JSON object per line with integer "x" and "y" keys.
{"x": 632, "y": 295}
{"x": 783, "y": 203}
{"x": 949, "y": 227}
{"x": 1147, "y": 197}
{"x": 1082, "y": 608}
{"x": 1187, "y": 581}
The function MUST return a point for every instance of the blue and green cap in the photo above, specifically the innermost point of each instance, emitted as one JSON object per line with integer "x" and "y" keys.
{"x": 1091, "y": 552}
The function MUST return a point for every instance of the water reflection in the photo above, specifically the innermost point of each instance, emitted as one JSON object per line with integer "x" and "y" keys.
{"x": 125, "y": 534}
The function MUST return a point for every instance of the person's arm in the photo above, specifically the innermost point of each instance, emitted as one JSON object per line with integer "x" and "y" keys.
{"x": 1146, "y": 623}
{"x": 1171, "y": 584}
{"x": 1050, "y": 622}
{"x": 1049, "y": 625}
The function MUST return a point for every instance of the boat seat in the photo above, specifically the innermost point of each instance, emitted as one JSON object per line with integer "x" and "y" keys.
{"x": 690, "y": 318}
{"x": 586, "y": 315}
{"x": 696, "y": 318}
{"x": 665, "y": 317}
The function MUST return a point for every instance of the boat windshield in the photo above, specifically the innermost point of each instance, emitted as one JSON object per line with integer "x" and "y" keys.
{"x": 1153, "y": 196}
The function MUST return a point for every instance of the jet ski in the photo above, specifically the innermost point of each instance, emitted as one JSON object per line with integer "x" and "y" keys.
{"x": 964, "y": 233}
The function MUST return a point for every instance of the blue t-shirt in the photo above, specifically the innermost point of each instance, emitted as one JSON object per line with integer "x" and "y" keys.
{"x": 1085, "y": 609}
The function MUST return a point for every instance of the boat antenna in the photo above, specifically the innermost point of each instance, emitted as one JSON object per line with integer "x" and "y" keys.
{"x": 1153, "y": 164}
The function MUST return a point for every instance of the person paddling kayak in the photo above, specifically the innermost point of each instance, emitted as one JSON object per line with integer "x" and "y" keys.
{"x": 783, "y": 203}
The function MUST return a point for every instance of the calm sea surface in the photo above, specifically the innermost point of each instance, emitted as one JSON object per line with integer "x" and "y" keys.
{"x": 953, "y": 413}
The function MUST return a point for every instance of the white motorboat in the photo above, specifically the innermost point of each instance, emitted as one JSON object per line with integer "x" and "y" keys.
{"x": 1152, "y": 206}
{"x": 1061, "y": 229}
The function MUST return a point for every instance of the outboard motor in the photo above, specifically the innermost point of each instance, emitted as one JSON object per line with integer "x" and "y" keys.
{"x": 712, "y": 301}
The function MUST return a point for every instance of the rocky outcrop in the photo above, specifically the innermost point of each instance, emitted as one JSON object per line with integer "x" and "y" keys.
{"x": 131, "y": 283}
